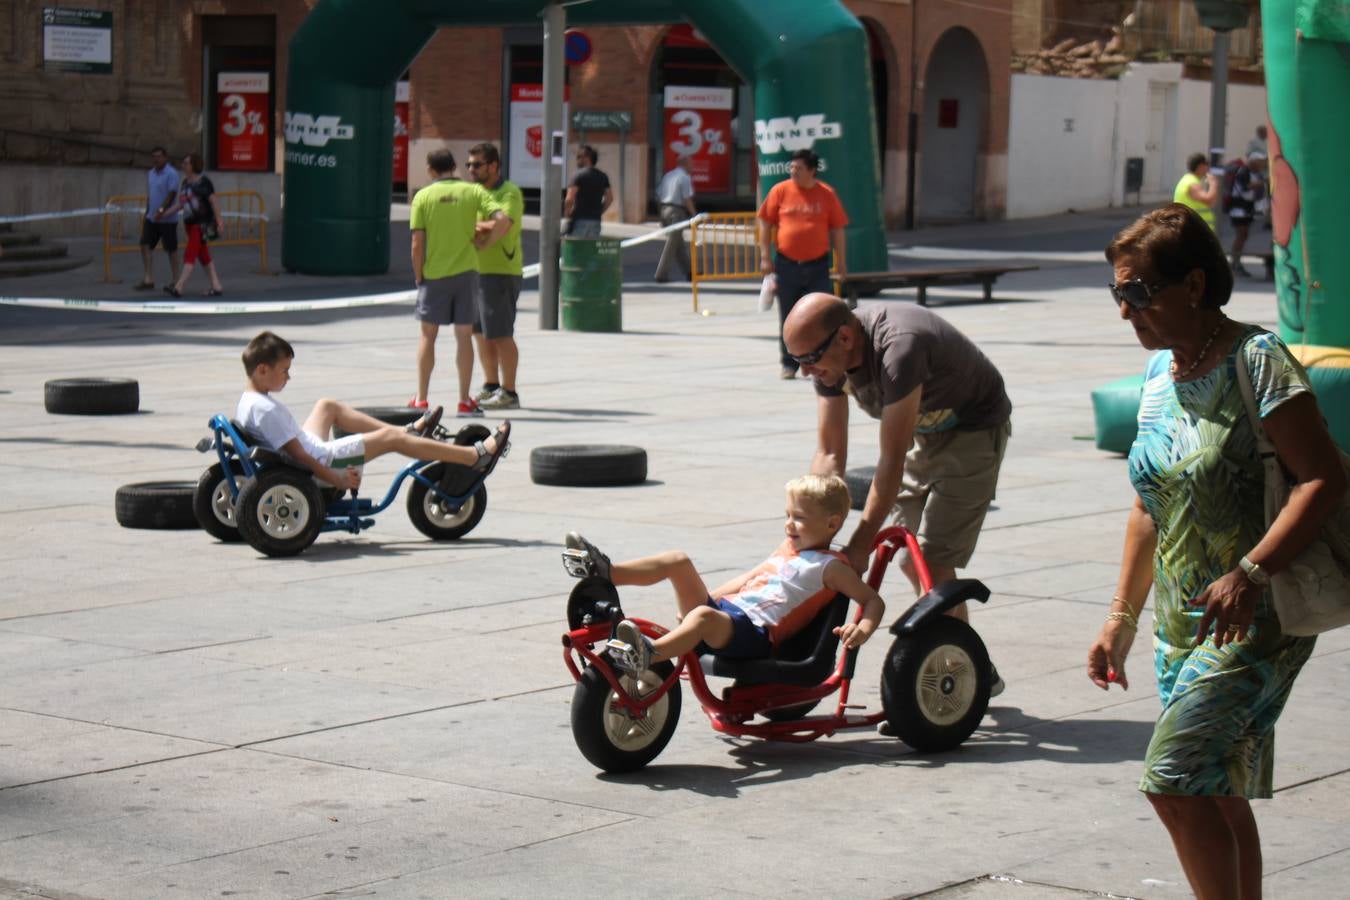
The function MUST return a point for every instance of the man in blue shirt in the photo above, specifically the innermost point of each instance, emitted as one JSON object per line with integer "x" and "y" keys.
{"x": 161, "y": 187}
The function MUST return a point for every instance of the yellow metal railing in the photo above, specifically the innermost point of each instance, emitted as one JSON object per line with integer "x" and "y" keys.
{"x": 723, "y": 247}
{"x": 242, "y": 214}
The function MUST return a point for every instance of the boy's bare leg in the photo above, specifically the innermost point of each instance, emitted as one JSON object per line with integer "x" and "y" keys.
{"x": 464, "y": 359}
{"x": 673, "y": 566}
{"x": 396, "y": 439}
{"x": 426, "y": 358}
{"x": 703, "y": 624}
{"x": 328, "y": 412}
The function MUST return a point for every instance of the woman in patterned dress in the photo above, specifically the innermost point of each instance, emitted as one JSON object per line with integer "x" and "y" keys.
{"x": 1197, "y": 537}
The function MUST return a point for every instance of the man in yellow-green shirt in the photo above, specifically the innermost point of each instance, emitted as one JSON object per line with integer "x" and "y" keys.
{"x": 499, "y": 268}
{"x": 445, "y": 239}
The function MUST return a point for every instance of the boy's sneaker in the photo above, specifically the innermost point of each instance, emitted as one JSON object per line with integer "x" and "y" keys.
{"x": 468, "y": 409}
{"x": 582, "y": 558}
{"x": 501, "y": 399}
{"x": 414, "y": 403}
{"x": 630, "y": 649}
{"x": 486, "y": 391}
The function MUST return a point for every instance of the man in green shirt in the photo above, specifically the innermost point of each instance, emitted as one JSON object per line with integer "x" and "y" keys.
{"x": 499, "y": 268}
{"x": 445, "y": 239}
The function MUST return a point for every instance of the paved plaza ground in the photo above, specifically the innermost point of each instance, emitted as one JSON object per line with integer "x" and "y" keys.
{"x": 387, "y": 717}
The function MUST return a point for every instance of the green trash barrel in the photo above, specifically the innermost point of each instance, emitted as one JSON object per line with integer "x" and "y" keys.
{"x": 591, "y": 286}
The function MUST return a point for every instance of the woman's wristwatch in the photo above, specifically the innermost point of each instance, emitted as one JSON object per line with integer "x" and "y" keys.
{"x": 1255, "y": 574}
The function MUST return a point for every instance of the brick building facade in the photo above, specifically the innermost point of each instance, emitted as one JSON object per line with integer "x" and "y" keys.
{"x": 948, "y": 62}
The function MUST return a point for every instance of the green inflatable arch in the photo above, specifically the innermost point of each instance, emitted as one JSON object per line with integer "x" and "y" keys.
{"x": 806, "y": 59}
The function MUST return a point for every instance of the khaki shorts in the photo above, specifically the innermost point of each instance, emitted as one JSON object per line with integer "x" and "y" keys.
{"x": 949, "y": 482}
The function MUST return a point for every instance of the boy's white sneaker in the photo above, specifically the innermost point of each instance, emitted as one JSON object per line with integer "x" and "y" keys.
{"x": 630, "y": 648}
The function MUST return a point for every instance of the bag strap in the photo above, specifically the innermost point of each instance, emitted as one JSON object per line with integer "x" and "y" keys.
{"x": 1244, "y": 379}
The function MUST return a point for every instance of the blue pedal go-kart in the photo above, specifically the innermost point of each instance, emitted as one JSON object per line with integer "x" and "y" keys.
{"x": 263, "y": 497}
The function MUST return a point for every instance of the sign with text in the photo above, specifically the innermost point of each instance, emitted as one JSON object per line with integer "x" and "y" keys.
{"x": 243, "y": 121}
{"x": 525, "y": 143}
{"x": 597, "y": 120}
{"x": 77, "y": 40}
{"x": 402, "y": 93}
{"x": 698, "y": 125}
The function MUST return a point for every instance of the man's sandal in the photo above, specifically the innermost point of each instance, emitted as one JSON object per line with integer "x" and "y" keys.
{"x": 487, "y": 460}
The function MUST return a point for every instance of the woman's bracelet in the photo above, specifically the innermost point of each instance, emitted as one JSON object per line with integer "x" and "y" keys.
{"x": 1130, "y": 620}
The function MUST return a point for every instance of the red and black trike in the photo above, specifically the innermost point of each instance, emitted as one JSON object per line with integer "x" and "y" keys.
{"x": 934, "y": 685}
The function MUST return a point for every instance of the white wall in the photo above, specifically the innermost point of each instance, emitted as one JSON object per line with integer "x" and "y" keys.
{"x": 1059, "y": 144}
{"x": 1051, "y": 170}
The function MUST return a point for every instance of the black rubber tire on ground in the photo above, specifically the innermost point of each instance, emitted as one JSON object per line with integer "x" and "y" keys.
{"x": 213, "y": 505}
{"x": 390, "y": 415}
{"x": 935, "y": 685}
{"x": 610, "y": 740}
{"x": 155, "y": 504}
{"x": 279, "y": 511}
{"x": 428, "y": 512}
{"x": 588, "y": 465}
{"x": 859, "y": 482}
{"x": 92, "y": 396}
{"x": 790, "y": 713}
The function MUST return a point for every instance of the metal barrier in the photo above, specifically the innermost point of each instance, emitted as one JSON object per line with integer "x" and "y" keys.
{"x": 242, "y": 214}
{"x": 723, "y": 247}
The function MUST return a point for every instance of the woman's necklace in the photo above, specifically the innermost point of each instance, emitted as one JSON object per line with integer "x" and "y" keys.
{"x": 1204, "y": 351}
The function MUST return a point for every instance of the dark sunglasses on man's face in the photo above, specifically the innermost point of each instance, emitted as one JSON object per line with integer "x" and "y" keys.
{"x": 476, "y": 164}
{"x": 810, "y": 359}
{"x": 1135, "y": 292}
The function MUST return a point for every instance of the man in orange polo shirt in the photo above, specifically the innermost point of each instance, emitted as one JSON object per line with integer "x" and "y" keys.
{"x": 806, "y": 219}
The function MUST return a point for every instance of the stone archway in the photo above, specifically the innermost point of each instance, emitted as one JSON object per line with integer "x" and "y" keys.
{"x": 955, "y": 112}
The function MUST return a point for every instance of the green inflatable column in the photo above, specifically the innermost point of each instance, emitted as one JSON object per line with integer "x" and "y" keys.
{"x": 1307, "y": 46}
{"x": 339, "y": 124}
{"x": 809, "y": 63}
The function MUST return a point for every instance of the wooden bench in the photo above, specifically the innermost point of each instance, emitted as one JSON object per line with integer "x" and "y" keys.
{"x": 923, "y": 278}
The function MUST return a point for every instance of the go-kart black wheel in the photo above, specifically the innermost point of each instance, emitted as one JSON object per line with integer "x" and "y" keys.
{"x": 790, "y": 713}
{"x": 607, "y": 735}
{"x": 430, "y": 514}
{"x": 213, "y": 504}
{"x": 935, "y": 685}
{"x": 280, "y": 511}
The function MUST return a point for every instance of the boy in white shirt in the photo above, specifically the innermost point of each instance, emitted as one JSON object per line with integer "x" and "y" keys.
{"x": 267, "y": 363}
{"x": 758, "y": 610}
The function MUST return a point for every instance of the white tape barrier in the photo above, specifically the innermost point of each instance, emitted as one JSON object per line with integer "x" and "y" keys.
{"x": 216, "y": 308}
{"x": 532, "y": 270}
{"x": 100, "y": 210}
{"x": 198, "y": 307}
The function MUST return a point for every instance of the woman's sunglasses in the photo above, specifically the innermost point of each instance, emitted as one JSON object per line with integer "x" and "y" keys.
{"x": 1135, "y": 292}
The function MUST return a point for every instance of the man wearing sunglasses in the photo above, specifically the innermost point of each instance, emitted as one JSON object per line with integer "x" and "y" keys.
{"x": 499, "y": 276}
{"x": 944, "y": 418}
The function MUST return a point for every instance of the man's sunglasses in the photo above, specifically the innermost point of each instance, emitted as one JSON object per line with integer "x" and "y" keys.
{"x": 476, "y": 164}
{"x": 1135, "y": 292}
{"x": 810, "y": 359}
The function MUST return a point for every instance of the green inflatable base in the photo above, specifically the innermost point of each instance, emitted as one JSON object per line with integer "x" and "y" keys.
{"x": 1115, "y": 407}
{"x": 1332, "y": 387}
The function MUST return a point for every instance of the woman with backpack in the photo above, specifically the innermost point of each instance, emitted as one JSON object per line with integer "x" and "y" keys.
{"x": 197, "y": 200}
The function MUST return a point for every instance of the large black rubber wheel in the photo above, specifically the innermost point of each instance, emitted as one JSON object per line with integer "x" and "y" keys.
{"x": 280, "y": 511}
{"x": 431, "y": 516}
{"x": 213, "y": 504}
{"x": 92, "y": 396}
{"x": 607, "y": 736}
{"x": 391, "y": 415}
{"x": 588, "y": 465}
{"x": 935, "y": 685}
{"x": 859, "y": 483}
{"x": 155, "y": 504}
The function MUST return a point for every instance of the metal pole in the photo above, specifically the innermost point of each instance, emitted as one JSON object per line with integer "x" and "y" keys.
{"x": 1218, "y": 98}
{"x": 623, "y": 153}
{"x": 550, "y": 196}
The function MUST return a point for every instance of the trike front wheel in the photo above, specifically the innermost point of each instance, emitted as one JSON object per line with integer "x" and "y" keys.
{"x": 935, "y": 685}
{"x": 608, "y": 735}
{"x": 432, "y": 516}
{"x": 213, "y": 504}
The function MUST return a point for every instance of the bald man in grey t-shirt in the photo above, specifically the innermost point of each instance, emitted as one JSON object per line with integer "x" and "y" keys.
{"x": 944, "y": 414}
